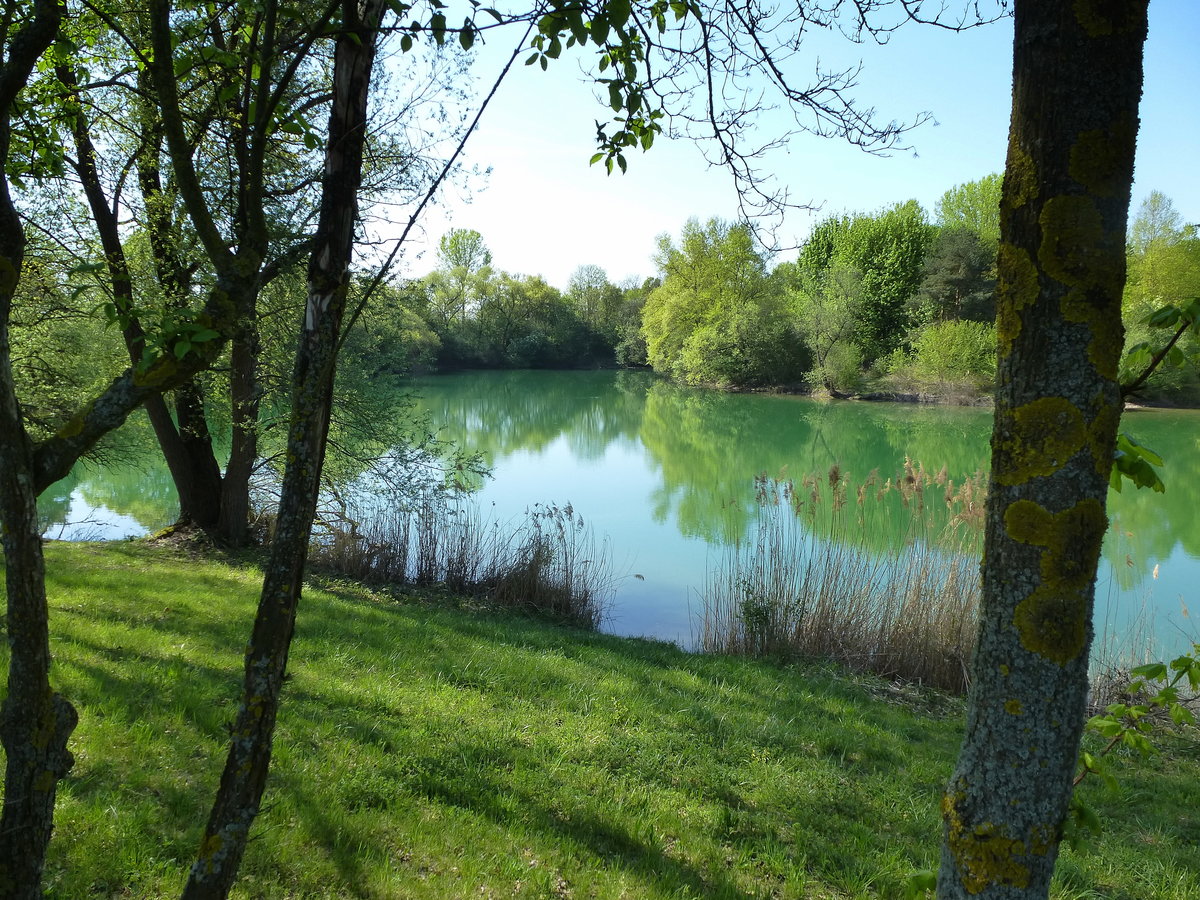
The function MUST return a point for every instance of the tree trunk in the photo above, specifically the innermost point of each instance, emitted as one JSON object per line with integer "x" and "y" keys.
{"x": 232, "y": 527}
{"x": 198, "y": 500}
{"x": 203, "y": 470}
{"x": 1077, "y": 74}
{"x": 35, "y": 722}
{"x": 244, "y": 778}
{"x": 186, "y": 444}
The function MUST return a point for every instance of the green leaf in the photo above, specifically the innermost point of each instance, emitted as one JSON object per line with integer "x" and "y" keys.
{"x": 596, "y": 157}
{"x": 437, "y": 25}
{"x": 1151, "y": 671}
{"x": 618, "y": 12}
{"x": 466, "y": 37}
{"x": 1164, "y": 317}
{"x": 599, "y": 28}
{"x": 578, "y": 28}
{"x": 615, "y": 99}
{"x": 1181, "y": 715}
{"x": 182, "y": 348}
{"x": 1105, "y": 725}
{"x": 1138, "y": 742}
{"x": 406, "y": 43}
{"x": 1133, "y": 461}
{"x": 920, "y": 884}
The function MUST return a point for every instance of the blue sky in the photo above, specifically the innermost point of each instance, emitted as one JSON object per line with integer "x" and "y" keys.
{"x": 544, "y": 211}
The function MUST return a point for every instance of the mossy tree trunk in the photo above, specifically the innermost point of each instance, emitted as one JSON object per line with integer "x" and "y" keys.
{"x": 1077, "y": 74}
{"x": 35, "y": 722}
{"x": 244, "y": 777}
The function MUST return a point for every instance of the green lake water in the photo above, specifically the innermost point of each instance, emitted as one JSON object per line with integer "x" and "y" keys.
{"x": 666, "y": 475}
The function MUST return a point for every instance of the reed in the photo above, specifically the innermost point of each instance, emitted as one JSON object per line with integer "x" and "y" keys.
{"x": 818, "y": 579}
{"x": 550, "y": 563}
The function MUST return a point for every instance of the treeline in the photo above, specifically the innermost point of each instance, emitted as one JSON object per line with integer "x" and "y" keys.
{"x": 892, "y": 301}
{"x": 466, "y": 314}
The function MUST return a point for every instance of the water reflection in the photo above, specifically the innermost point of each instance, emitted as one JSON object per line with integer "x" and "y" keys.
{"x": 668, "y": 473}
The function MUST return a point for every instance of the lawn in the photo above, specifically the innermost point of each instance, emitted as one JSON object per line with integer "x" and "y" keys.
{"x": 429, "y": 750}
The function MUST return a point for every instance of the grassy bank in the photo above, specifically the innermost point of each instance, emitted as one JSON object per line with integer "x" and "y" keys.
{"x": 426, "y": 751}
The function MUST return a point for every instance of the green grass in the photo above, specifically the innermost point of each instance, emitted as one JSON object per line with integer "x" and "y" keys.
{"x": 432, "y": 752}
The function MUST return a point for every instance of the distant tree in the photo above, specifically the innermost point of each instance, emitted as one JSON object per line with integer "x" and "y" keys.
{"x": 455, "y": 288}
{"x": 719, "y": 316}
{"x": 829, "y": 311}
{"x": 974, "y": 205}
{"x": 1157, "y": 222}
{"x": 597, "y": 301}
{"x": 958, "y": 280}
{"x": 888, "y": 251}
{"x": 1161, "y": 303}
{"x": 630, "y": 347}
{"x": 463, "y": 248}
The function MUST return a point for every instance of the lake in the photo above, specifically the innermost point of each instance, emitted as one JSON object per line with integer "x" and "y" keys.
{"x": 666, "y": 475}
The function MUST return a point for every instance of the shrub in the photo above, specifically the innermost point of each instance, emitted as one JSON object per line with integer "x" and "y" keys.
{"x": 956, "y": 351}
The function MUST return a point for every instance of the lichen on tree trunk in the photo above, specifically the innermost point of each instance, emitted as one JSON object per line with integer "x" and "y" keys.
{"x": 1077, "y": 75}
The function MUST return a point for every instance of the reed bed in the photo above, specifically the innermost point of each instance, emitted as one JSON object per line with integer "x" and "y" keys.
{"x": 818, "y": 578}
{"x": 550, "y": 563}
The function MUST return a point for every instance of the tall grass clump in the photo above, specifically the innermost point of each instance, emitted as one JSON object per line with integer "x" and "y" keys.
{"x": 548, "y": 564}
{"x": 882, "y": 576}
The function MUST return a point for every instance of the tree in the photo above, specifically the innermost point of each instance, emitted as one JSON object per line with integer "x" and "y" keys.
{"x": 1157, "y": 222}
{"x": 455, "y": 287}
{"x": 974, "y": 205}
{"x": 597, "y": 301}
{"x": 463, "y": 248}
{"x": 718, "y": 317}
{"x": 1161, "y": 302}
{"x": 36, "y": 722}
{"x": 958, "y": 280}
{"x": 888, "y": 250}
{"x": 828, "y": 312}
{"x": 1077, "y": 81}
{"x": 247, "y": 764}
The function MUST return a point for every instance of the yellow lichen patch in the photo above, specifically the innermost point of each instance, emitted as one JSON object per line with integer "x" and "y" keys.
{"x": 1018, "y": 288}
{"x": 1100, "y": 309}
{"x": 1100, "y": 157}
{"x": 1014, "y": 707}
{"x": 1051, "y": 621}
{"x": 1051, "y": 624}
{"x": 1043, "y": 436}
{"x": 1020, "y": 176}
{"x": 160, "y": 371}
{"x": 1072, "y": 229}
{"x": 1077, "y": 251}
{"x": 74, "y": 425}
{"x": 1004, "y": 670}
{"x": 1101, "y": 432}
{"x": 1103, "y": 18}
{"x": 984, "y": 855}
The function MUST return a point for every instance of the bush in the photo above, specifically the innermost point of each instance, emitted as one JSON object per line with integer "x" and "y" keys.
{"x": 956, "y": 351}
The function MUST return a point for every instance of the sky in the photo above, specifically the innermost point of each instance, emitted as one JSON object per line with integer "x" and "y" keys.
{"x": 544, "y": 211}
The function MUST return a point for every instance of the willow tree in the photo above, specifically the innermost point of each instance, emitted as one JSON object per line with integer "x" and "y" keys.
{"x": 1077, "y": 80}
{"x": 36, "y": 722}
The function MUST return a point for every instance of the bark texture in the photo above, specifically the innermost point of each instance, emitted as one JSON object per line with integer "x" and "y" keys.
{"x": 35, "y": 722}
{"x": 1077, "y": 75}
{"x": 244, "y": 777}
